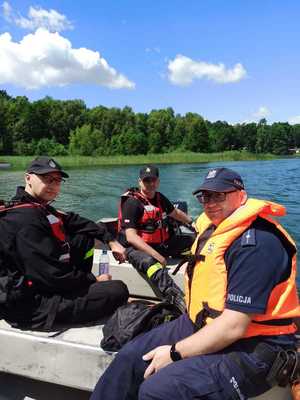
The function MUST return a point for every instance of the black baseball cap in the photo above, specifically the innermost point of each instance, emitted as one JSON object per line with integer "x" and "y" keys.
{"x": 45, "y": 165}
{"x": 221, "y": 180}
{"x": 149, "y": 171}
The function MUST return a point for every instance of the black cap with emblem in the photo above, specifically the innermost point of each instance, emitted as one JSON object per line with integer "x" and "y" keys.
{"x": 221, "y": 180}
{"x": 149, "y": 171}
{"x": 45, "y": 165}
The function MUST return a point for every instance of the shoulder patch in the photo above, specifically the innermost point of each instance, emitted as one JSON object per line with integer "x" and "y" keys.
{"x": 249, "y": 238}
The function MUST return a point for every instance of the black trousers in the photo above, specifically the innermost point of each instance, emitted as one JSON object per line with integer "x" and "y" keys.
{"x": 173, "y": 247}
{"x": 160, "y": 281}
{"x": 99, "y": 300}
{"x": 86, "y": 305}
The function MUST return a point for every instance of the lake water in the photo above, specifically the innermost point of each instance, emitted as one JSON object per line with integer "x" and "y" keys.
{"x": 94, "y": 192}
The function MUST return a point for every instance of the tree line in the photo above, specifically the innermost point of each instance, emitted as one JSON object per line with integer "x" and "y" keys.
{"x": 62, "y": 127}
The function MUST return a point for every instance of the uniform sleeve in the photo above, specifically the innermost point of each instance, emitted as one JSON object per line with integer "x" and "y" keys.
{"x": 254, "y": 270}
{"x": 75, "y": 224}
{"x": 132, "y": 212}
{"x": 167, "y": 206}
{"x": 38, "y": 252}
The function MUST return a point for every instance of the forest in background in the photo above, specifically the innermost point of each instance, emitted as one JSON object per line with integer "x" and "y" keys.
{"x": 69, "y": 127}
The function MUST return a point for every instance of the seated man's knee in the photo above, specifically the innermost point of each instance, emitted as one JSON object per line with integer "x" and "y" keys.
{"x": 147, "y": 390}
{"x": 128, "y": 350}
{"x": 140, "y": 260}
{"x": 119, "y": 291}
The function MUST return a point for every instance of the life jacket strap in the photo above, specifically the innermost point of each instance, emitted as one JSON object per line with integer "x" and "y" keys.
{"x": 275, "y": 322}
{"x": 206, "y": 312}
{"x": 191, "y": 259}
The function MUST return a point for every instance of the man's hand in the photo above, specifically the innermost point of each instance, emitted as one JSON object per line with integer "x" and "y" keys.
{"x": 103, "y": 277}
{"x": 161, "y": 259}
{"x": 160, "y": 357}
{"x": 118, "y": 251}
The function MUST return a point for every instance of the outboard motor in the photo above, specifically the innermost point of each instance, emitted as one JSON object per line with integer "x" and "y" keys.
{"x": 178, "y": 228}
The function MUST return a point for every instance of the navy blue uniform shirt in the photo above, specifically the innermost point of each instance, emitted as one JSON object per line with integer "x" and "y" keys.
{"x": 256, "y": 262}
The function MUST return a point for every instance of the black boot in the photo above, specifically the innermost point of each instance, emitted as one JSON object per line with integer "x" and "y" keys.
{"x": 169, "y": 291}
{"x": 157, "y": 277}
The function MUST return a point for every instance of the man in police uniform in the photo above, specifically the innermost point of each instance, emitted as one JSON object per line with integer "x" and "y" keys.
{"x": 145, "y": 232}
{"x": 46, "y": 257}
{"x": 241, "y": 298}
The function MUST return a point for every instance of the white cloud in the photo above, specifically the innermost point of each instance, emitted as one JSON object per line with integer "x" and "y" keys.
{"x": 294, "y": 120}
{"x": 152, "y": 50}
{"x": 37, "y": 18}
{"x": 183, "y": 71}
{"x": 7, "y": 11}
{"x": 262, "y": 112}
{"x": 48, "y": 59}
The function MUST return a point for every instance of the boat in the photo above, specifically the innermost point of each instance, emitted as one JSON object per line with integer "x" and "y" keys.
{"x": 4, "y": 165}
{"x": 67, "y": 363}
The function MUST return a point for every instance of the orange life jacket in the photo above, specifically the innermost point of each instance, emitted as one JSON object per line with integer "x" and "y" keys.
{"x": 206, "y": 285}
{"x": 152, "y": 227}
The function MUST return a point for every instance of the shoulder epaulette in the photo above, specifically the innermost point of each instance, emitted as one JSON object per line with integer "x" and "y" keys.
{"x": 4, "y": 204}
{"x": 135, "y": 193}
{"x": 249, "y": 238}
{"x": 8, "y": 205}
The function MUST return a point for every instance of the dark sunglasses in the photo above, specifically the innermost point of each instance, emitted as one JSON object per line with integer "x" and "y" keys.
{"x": 48, "y": 179}
{"x": 149, "y": 180}
{"x": 216, "y": 197}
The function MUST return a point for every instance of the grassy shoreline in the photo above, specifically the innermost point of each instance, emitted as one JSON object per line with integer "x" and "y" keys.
{"x": 21, "y": 162}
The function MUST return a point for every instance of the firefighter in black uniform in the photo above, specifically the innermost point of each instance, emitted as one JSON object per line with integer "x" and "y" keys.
{"x": 46, "y": 258}
{"x": 144, "y": 231}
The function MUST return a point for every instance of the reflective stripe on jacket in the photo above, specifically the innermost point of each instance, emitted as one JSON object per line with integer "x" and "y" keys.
{"x": 152, "y": 227}
{"x": 206, "y": 283}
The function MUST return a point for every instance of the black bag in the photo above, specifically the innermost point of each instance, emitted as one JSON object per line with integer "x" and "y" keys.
{"x": 134, "y": 318}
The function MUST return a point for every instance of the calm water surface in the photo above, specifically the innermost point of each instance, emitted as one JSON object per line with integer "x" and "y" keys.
{"x": 95, "y": 192}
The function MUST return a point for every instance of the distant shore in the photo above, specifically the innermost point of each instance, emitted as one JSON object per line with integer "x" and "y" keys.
{"x": 21, "y": 162}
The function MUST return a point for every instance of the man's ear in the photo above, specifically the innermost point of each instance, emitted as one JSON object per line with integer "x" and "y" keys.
{"x": 244, "y": 197}
{"x": 27, "y": 179}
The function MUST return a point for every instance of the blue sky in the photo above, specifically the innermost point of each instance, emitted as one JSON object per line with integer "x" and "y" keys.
{"x": 231, "y": 60}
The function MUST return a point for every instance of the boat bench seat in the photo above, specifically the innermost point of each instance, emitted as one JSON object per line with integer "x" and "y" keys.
{"x": 71, "y": 358}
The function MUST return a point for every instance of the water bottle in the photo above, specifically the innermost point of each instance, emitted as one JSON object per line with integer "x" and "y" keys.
{"x": 104, "y": 263}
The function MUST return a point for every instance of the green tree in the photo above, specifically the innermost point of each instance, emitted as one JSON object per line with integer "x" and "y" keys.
{"x": 49, "y": 147}
{"x": 160, "y": 127}
{"x": 179, "y": 133}
{"x": 280, "y": 133}
{"x": 65, "y": 116}
{"x": 16, "y": 128}
{"x": 263, "y": 139}
{"x": 245, "y": 136}
{"x": 133, "y": 142}
{"x": 295, "y": 130}
{"x": 5, "y": 139}
{"x": 36, "y": 120}
{"x": 141, "y": 120}
{"x": 196, "y": 138}
{"x": 86, "y": 142}
{"x": 22, "y": 148}
{"x": 4, "y": 95}
{"x": 221, "y": 136}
